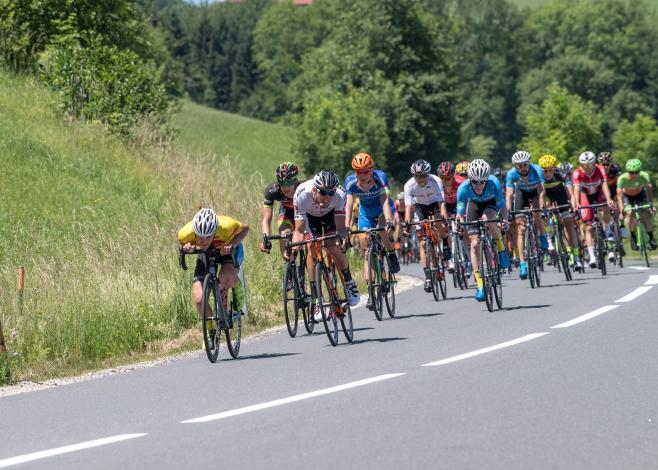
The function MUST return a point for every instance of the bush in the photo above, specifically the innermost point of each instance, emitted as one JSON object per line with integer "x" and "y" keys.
{"x": 104, "y": 84}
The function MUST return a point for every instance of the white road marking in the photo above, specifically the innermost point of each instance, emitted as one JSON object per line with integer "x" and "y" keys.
{"x": 587, "y": 316}
{"x": 292, "y": 399}
{"x": 653, "y": 279}
{"x": 639, "y": 268}
{"x": 635, "y": 294}
{"x": 66, "y": 449}
{"x": 506, "y": 344}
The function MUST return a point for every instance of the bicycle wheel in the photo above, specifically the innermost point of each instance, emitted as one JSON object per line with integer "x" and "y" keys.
{"x": 600, "y": 248}
{"x": 234, "y": 333}
{"x": 304, "y": 291}
{"x": 563, "y": 255}
{"x": 325, "y": 301}
{"x": 291, "y": 298}
{"x": 389, "y": 288}
{"x": 485, "y": 272}
{"x": 210, "y": 322}
{"x": 530, "y": 255}
{"x": 643, "y": 241}
{"x": 441, "y": 273}
{"x": 346, "y": 320}
{"x": 374, "y": 285}
{"x": 432, "y": 262}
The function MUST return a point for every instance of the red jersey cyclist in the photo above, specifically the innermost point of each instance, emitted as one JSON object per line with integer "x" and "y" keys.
{"x": 590, "y": 185}
{"x": 450, "y": 181}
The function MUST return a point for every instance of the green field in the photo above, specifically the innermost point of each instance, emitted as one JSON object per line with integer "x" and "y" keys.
{"x": 256, "y": 145}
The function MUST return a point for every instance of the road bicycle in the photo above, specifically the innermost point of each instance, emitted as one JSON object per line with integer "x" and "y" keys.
{"x": 218, "y": 315}
{"x": 641, "y": 235}
{"x": 296, "y": 290}
{"x": 381, "y": 283}
{"x": 600, "y": 244}
{"x": 562, "y": 255}
{"x": 533, "y": 252}
{"x": 490, "y": 269}
{"x": 433, "y": 257}
{"x": 331, "y": 300}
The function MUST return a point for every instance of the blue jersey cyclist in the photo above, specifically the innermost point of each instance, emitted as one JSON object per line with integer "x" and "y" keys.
{"x": 481, "y": 196}
{"x": 525, "y": 189}
{"x": 376, "y": 209}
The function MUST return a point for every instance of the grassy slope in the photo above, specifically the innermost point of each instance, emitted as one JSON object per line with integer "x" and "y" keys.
{"x": 257, "y": 145}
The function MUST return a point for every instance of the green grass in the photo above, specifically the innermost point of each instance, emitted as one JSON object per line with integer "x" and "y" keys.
{"x": 256, "y": 145}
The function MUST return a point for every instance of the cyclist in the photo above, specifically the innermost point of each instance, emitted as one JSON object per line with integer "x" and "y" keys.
{"x": 320, "y": 210}
{"x": 566, "y": 171}
{"x": 634, "y": 188}
{"x": 423, "y": 193}
{"x": 399, "y": 215}
{"x": 612, "y": 170}
{"x": 461, "y": 171}
{"x": 446, "y": 172}
{"x": 510, "y": 235}
{"x": 208, "y": 229}
{"x": 591, "y": 187}
{"x": 370, "y": 186}
{"x": 560, "y": 193}
{"x": 282, "y": 190}
{"x": 525, "y": 188}
{"x": 481, "y": 196}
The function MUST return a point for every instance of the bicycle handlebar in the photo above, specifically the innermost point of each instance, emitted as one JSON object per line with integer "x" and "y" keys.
{"x": 211, "y": 250}
{"x": 367, "y": 230}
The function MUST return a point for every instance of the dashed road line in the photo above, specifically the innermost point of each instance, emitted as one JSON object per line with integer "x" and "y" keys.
{"x": 292, "y": 399}
{"x": 587, "y": 316}
{"x": 67, "y": 449}
{"x": 635, "y": 294}
{"x": 639, "y": 268}
{"x": 653, "y": 280}
{"x": 478, "y": 352}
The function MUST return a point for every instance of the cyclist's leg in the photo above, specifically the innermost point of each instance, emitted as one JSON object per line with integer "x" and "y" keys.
{"x": 473, "y": 212}
{"x": 587, "y": 217}
{"x": 490, "y": 213}
{"x": 520, "y": 223}
{"x": 197, "y": 284}
{"x": 286, "y": 224}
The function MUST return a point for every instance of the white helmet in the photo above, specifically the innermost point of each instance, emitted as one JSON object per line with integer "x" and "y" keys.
{"x": 205, "y": 222}
{"x": 420, "y": 167}
{"x": 400, "y": 196}
{"x": 326, "y": 180}
{"x": 520, "y": 156}
{"x": 587, "y": 157}
{"x": 478, "y": 170}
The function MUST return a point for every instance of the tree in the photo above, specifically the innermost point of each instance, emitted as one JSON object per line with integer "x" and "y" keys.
{"x": 637, "y": 139}
{"x": 563, "y": 124}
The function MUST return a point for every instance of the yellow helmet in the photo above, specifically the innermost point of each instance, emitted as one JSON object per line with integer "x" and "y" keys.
{"x": 548, "y": 161}
{"x": 462, "y": 167}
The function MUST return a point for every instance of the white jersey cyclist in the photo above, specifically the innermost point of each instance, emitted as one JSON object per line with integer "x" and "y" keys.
{"x": 306, "y": 205}
{"x": 415, "y": 194}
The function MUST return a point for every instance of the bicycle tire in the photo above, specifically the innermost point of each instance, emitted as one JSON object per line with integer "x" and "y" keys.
{"x": 430, "y": 254}
{"x": 346, "y": 322}
{"x": 389, "y": 290}
{"x": 209, "y": 304}
{"x": 600, "y": 244}
{"x": 291, "y": 304}
{"x": 562, "y": 253}
{"x": 485, "y": 268}
{"x": 374, "y": 286}
{"x": 642, "y": 240}
{"x": 497, "y": 279}
{"x": 325, "y": 302}
{"x": 305, "y": 294}
{"x": 234, "y": 333}
{"x": 529, "y": 255}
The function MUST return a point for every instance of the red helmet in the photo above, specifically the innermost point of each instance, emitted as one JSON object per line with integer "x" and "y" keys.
{"x": 445, "y": 169}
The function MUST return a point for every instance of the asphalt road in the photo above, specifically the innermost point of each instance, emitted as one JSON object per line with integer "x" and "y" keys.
{"x": 566, "y": 376}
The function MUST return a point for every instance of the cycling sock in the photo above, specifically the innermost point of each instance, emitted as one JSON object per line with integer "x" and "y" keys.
{"x": 478, "y": 279}
{"x": 427, "y": 273}
{"x": 590, "y": 250}
{"x": 500, "y": 244}
{"x": 347, "y": 275}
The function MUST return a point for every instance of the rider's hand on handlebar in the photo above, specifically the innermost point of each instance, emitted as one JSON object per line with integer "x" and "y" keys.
{"x": 265, "y": 245}
{"x": 389, "y": 226}
{"x": 189, "y": 247}
{"x": 226, "y": 250}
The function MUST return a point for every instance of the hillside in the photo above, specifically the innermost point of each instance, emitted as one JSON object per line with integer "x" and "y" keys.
{"x": 257, "y": 145}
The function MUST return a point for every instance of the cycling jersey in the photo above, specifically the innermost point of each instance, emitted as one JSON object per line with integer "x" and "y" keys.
{"x": 591, "y": 184}
{"x": 305, "y": 205}
{"x": 227, "y": 229}
{"x": 613, "y": 173}
{"x": 274, "y": 193}
{"x": 371, "y": 198}
{"x": 556, "y": 190}
{"x": 450, "y": 194}
{"x": 430, "y": 193}
{"x": 534, "y": 178}
{"x": 493, "y": 193}
{"x": 625, "y": 182}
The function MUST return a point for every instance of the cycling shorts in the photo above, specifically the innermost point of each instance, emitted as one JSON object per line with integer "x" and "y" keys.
{"x": 586, "y": 200}
{"x": 638, "y": 199}
{"x": 475, "y": 210}
{"x": 324, "y": 225}
{"x": 286, "y": 218}
{"x": 525, "y": 199}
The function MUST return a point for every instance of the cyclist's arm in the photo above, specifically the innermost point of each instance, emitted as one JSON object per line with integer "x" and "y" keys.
{"x": 649, "y": 188}
{"x": 606, "y": 191}
{"x": 542, "y": 195}
{"x": 241, "y": 235}
{"x": 576, "y": 193}
{"x": 349, "y": 207}
{"x": 386, "y": 207}
{"x": 620, "y": 198}
{"x": 572, "y": 197}
{"x": 443, "y": 210}
{"x": 267, "y": 219}
{"x": 509, "y": 192}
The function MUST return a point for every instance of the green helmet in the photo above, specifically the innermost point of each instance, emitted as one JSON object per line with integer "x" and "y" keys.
{"x": 633, "y": 165}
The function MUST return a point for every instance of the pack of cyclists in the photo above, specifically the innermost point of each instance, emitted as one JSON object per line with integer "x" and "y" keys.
{"x": 449, "y": 201}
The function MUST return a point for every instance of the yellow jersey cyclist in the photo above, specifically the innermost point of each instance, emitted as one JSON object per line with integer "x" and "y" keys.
{"x": 221, "y": 232}
{"x": 370, "y": 186}
{"x": 634, "y": 188}
{"x": 320, "y": 210}
{"x": 423, "y": 194}
{"x": 525, "y": 189}
{"x": 560, "y": 193}
{"x": 283, "y": 191}
{"x": 481, "y": 196}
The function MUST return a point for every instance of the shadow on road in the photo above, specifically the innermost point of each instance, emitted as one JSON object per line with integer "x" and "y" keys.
{"x": 566, "y": 283}
{"x": 261, "y": 356}
{"x": 419, "y": 315}
{"x": 378, "y": 340}
{"x": 519, "y": 307}
{"x": 362, "y": 329}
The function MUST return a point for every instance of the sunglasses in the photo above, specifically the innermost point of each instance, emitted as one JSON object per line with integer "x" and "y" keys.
{"x": 587, "y": 166}
{"x": 421, "y": 177}
{"x": 327, "y": 192}
{"x": 363, "y": 172}
{"x": 478, "y": 183}
{"x": 288, "y": 183}
{"x": 522, "y": 165}
{"x": 633, "y": 172}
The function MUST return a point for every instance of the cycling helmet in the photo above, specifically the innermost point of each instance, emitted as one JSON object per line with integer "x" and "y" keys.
{"x": 462, "y": 167}
{"x": 520, "y": 156}
{"x": 478, "y": 170}
{"x": 605, "y": 158}
{"x": 204, "y": 223}
{"x": 420, "y": 167}
{"x": 499, "y": 173}
{"x": 548, "y": 161}
{"x": 400, "y": 196}
{"x": 633, "y": 165}
{"x": 446, "y": 169}
{"x": 287, "y": 171}
{"x": 566, "y": 168}
{"x": 362, "y": 161}
{"x": 326, "y": 180}
{"x": 587, "y": 157}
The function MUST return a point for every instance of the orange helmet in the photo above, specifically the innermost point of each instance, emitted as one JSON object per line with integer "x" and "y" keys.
{"x": 362, "y": 161}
